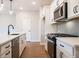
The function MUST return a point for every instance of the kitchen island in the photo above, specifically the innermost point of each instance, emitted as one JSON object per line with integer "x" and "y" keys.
{"x": 12, "y": 46}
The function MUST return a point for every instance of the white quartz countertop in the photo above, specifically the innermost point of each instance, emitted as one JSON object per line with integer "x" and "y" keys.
{"x": 72, "y": 41}
{"x": 6, "y": 38}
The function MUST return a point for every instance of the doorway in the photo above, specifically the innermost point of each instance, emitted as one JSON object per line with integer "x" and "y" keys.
{"x": 27, "y": 28}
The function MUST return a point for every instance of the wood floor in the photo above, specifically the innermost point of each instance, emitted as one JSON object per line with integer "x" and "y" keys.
{"x": 34, "y": 50}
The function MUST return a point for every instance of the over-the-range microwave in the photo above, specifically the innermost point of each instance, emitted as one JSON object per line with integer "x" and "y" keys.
{"x": 60, "y": 13}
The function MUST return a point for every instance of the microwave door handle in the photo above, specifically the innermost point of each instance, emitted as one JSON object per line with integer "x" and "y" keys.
{"x": 59, "y": 12}
{"x": 76, "y": 9}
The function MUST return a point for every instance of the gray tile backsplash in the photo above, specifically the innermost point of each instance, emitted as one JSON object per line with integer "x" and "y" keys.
{"x": 70, "y": 27}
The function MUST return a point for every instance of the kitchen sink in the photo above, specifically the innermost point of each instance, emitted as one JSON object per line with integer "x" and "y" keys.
{"x": 15, "y": 34}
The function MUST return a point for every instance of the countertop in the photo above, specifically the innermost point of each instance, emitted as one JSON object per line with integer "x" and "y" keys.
{"x": 72, "y": 41}
{"x": 6, "y": 38}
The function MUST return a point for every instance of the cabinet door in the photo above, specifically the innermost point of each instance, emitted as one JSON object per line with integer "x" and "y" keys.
{"x": 73, "y": 8}
{"x": 61, "y": 1}
{"x": 24, "y": 40}
{"x": 58, "y": 52}
{"x": 5, "y": 47}
{"x": 58, "y": 2}
{"x": 22, "y": 44}
{"x": 66, "y": 55}
{"x": 55, "y": 3}
{"x": 52, "y": 8}
{"x": 15, "y": 47}
{"x": 7, "y": 54}
{"x": 62, "y": 54}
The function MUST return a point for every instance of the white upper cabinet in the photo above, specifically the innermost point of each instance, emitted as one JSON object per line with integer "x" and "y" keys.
{"x": 58, "y": 2}
{"x": 52, "y": 8}
{"x": 73, "y": 8}
{"x": 43, "y": 12}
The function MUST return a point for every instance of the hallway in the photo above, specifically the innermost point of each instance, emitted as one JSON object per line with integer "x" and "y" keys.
{"x": 34, "y": 50}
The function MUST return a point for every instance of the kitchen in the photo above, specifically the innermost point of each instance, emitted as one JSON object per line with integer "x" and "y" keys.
{"x": 39, "y": 29}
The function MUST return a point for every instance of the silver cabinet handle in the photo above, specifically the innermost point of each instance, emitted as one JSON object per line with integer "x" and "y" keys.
{"x": 7, "y": 53}
{"x": 7, "y": 46}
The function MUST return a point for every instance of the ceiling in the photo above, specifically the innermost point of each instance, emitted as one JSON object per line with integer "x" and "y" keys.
{"x": 28, "y": 6}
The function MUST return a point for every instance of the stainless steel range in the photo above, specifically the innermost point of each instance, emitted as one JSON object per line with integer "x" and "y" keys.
{"x": 51, "y": 45}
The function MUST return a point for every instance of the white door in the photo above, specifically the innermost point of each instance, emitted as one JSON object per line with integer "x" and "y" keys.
{"x": 27, "y": 28}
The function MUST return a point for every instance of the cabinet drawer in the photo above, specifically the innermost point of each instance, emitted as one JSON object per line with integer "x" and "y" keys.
{"x": 5, "y": 47}
{"x": 7, "y": 54}
{"x": 65, "y": 47}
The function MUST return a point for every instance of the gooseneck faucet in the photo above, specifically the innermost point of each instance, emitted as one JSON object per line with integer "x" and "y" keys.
{"x": 9, "y": 28}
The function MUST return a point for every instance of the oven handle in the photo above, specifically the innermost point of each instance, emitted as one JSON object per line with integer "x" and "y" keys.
{"x": 61, "y": 45}
{"x": 50, "y": 41}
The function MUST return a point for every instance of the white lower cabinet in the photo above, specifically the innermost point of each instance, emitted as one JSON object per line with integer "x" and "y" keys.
{"x": 20, "y": 46}
{"x": 6, "y": 50}
{"x": 62, "y": 53}
{"x": 13, "y": 48}
{"x": 63, "y": 50}
{"x": 73, "y": 8}
{"x": 7, "y": 54}
{"x": 22, "y": 43}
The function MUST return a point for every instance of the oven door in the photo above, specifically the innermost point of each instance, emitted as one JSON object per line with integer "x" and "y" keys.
{"x": 51, "y": 48}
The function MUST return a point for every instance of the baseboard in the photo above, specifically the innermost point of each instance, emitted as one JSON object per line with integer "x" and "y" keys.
{"x": 42, "y": 43}
{"x": 34, "y": 41}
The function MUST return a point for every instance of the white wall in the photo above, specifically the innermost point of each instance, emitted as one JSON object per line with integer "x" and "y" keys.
{"x": 71, "y": 27}
{"x": 23, "y": 19}
{"x": 35, "y": 26}
{"x": 6, "y": 18}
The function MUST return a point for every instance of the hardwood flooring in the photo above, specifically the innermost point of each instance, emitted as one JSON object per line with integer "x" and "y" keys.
{"x": 34, "y": 50}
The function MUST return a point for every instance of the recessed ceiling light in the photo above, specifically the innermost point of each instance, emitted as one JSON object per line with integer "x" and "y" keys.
{"x": 21, "y": 8}
{"x": 34, "y": 3}
{"x": 11, "y": 12}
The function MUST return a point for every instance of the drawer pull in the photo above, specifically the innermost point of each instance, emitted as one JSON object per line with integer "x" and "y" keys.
{"x": 61, "y": 45}
{"x": 7, "y": 53}
{"x": 7, "y": 46}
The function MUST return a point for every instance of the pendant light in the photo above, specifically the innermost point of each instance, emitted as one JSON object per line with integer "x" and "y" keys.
{"x": 2, "y": 3}
{"x": 11, "y": 10}
{"x": 1, "y": 7}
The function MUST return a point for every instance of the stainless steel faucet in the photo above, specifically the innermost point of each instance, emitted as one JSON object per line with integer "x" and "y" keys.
{"x": 9, "y": 28}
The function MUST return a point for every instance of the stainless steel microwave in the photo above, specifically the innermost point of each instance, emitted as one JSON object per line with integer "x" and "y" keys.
{"x": 60, "y": 13}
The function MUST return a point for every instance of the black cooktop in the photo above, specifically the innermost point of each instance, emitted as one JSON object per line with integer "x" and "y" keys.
{"x": 51, "y": 35}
